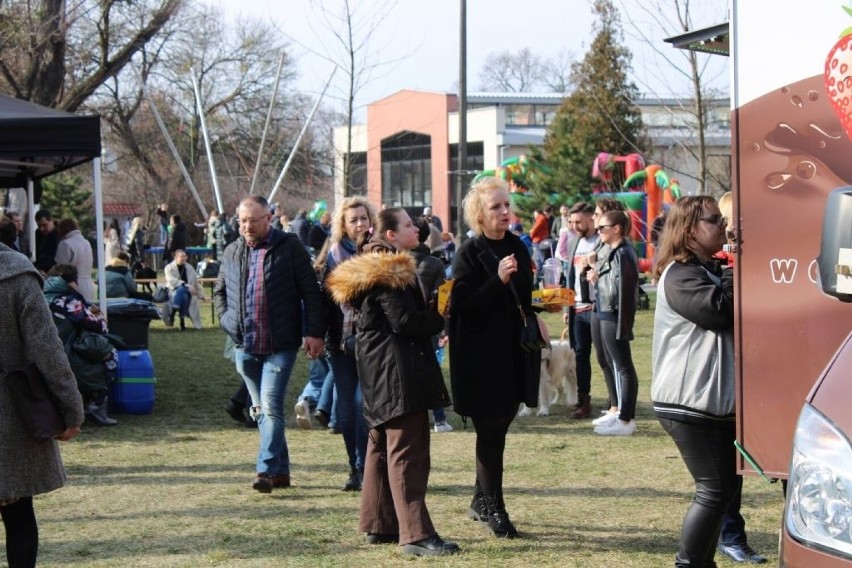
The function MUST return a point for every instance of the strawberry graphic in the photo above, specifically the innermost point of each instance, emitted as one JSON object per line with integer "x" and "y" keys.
{"x": 838, "y": 78}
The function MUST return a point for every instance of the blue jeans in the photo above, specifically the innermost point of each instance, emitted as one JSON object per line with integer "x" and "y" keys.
{"x": 318, "y": 370}
{"x": 181, "y": 299}
{"x": 266, "y": 377}
{"x": 349, "y": 407}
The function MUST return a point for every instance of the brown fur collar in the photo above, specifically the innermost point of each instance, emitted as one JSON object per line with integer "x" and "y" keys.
{"x": 353, "y": 278}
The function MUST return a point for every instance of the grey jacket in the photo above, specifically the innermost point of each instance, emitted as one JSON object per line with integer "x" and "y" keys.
{"x": 28, "y": 334}
{"x": 693, "y": 349}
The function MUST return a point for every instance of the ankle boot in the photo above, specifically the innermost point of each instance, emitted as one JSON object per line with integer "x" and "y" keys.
{"x": 498, "y": 518}
{"x": 98, "y": 414}
{"x": 355, "y": 481}
{"x": 584, "y": 407}
{"x": 182, "y": 324}
{"x": 478, "y": 507}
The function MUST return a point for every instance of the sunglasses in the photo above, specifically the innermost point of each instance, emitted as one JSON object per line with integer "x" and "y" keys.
{"x": 715, "y": 220}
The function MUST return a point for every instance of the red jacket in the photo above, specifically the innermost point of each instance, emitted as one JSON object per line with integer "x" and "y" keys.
{"x": 540, "y": 229}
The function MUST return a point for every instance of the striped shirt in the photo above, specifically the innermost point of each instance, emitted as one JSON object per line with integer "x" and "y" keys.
{"x": 256, "y": 339}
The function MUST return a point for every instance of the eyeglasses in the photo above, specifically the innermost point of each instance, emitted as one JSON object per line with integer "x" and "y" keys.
{"x": 715, "y": 220}
{"x": 253, "y": 221}
{"x": 605, "y": 227}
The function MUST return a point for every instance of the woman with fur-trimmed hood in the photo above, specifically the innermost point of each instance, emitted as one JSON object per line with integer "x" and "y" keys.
{"x": 400, "y": 381}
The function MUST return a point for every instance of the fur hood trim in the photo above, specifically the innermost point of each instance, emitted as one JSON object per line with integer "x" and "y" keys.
{"x": 356, "y": 276}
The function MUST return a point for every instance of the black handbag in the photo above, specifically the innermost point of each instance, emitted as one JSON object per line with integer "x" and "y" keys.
{"x": 36, "y": 405}
{"x": 530, "y": 337}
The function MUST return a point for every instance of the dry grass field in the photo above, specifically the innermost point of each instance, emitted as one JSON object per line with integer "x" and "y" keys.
{"x": 174, "y": 488}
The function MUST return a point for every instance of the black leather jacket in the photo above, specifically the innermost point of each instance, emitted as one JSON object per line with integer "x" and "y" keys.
{"x": 617, "y": 288}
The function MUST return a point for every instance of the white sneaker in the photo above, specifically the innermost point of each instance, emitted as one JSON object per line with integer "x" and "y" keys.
{"x": 443, "y": 427}
{"x": 605, "y": 419}
{"x": 617, "y": 428}
{"x": 303, "y": 415}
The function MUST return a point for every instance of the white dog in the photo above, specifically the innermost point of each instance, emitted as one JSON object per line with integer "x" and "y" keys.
{"x": 558, "y": 378}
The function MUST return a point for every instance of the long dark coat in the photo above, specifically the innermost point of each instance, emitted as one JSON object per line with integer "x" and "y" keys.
{"x": 396, "y": 363}
{"x": 490, "y": 373}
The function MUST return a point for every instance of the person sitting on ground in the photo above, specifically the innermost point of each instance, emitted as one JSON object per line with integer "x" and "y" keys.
{"x": 83, "y": 331}
{"x": 184, "y": 290}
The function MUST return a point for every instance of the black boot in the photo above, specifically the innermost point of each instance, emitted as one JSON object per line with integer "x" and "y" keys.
{"x": 478, "y": 507}
{"x": 182, "y": 324}
{"x": 498, "y": 518}
{"x": 97, "y": 412}
{"x": 356, "y": 479}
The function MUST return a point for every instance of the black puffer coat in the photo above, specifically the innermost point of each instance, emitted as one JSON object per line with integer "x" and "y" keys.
{"x": 490, "y": 373}
{"x": 396, "y": 364}
{"x": 290, "y": 282}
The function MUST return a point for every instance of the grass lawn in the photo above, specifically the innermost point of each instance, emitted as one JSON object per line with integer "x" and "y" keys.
{"x": 174, "y": 488}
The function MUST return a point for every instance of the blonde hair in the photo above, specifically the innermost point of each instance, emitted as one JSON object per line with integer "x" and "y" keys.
{"x": 338, "y": 220}
{"x": 726, "y": 206}
{"x": 473, "y": 203}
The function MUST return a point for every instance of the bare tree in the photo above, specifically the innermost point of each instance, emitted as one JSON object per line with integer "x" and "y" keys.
{"x": 347, "y": 40}
{"x": 524, "y": 71}
{"x": 59, "y": 56}
{"x": 696, "y": 71}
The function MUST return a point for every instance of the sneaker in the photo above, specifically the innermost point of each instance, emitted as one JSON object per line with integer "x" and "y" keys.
{"x": 605, "y": 419}
{"x": 741, "y": 553}
{"x": 303, "y": 414}
{"x": 617, "y": 428}
{"x": 443, "y": 427}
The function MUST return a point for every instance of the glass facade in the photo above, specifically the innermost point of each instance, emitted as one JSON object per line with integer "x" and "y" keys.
{"x": 407, "y": 170}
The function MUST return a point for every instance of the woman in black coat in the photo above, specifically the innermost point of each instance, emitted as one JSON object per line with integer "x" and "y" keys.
{"x": 491, "y": 375}
{"x": 400, "y": 382}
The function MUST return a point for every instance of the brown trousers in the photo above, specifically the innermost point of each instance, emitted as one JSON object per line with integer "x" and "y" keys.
{"x": 396, "y": 473}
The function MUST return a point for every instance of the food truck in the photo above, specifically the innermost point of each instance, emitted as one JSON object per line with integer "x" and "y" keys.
{"x": 791, "y": 119}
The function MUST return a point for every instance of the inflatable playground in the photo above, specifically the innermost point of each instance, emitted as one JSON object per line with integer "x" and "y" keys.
{"x": 644, "y": 190}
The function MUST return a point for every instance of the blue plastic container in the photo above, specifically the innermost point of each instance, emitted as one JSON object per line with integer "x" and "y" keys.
{"x": 133, "y": 390}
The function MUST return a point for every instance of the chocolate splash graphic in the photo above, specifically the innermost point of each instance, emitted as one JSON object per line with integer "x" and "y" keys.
{"x": 795, "y": 139}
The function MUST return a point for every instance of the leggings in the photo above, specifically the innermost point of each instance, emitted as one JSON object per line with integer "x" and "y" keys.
{"x": 603, "y": 362}
{"x": 621, "y": 361}
{"x": 708, "y": 451}
{"x": 490, "y": 446}
{"x": 21, "y": 533}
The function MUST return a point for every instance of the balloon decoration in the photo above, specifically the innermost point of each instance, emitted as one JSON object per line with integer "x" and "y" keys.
{"x": 317, "y": 210}
{"x": 520, "y": 171}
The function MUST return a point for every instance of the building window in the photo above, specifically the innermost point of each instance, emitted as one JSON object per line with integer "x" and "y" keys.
{"x": 407, "y": 170}
{"x": 357, "y": 175}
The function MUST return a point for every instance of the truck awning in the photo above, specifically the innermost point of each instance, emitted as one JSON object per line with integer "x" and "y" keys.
{"x": 715, "y": 40}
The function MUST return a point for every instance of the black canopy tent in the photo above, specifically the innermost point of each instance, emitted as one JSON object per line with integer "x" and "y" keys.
{"x": 37, "y": 141}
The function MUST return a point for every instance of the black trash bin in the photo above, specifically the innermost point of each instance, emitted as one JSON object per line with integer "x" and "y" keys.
{"x": 130, "y": 318}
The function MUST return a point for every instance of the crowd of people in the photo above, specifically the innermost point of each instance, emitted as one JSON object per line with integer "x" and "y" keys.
{"x": 357, "y": 292}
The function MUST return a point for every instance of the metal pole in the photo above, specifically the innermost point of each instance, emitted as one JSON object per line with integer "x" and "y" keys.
{"x": 31, "y": 226}
{"x": 462, "y": 156}
{"x": 206, "y": 142}
{"x": 266, "y": 126}
{"x": 99, "y": 228}
{"x": 299, "y": 139}
{"x": 171, "y": 146}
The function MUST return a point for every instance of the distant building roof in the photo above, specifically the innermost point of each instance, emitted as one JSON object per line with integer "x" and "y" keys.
{"x": 515, "y": 98}
{"x": 121, "y": 210}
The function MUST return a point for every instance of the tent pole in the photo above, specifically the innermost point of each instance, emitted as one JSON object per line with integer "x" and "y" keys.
{"x": 99, "y": 224}
{"x": 266, "y": 126}
{"x": 31, "y": 227}
{"x": 210, "y": 163}
{"x": 299, "y": 139}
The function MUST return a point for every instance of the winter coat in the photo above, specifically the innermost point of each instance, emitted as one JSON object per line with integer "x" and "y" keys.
{"x": 179, "y": 239}
{"x": 291, "y": 287}
{"x": 112, "y": 245}
{"x": 430, "y": 270}
{"x": 173, "y": 281}
{"x": 490, "y": 372}
{"x": 617, "y": 288}
{"x": 28, "y": 335}
{"x": 396, "y": 363}
{"x": 83, "y": 336}
{"x": 73, "y": 249}
{"x": 119, "y": 282}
